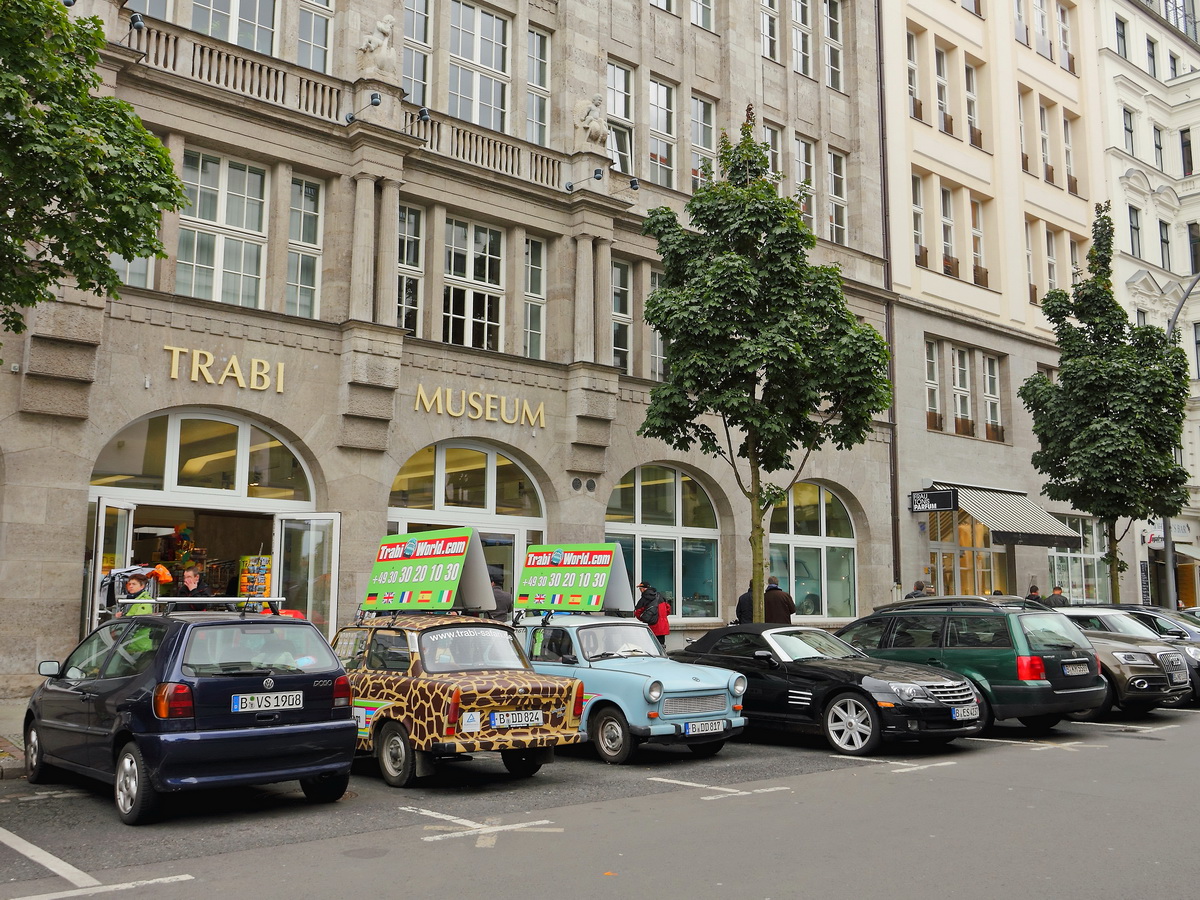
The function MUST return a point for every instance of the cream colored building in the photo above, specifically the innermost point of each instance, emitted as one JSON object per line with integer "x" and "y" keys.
{"x": 408, "y": 292}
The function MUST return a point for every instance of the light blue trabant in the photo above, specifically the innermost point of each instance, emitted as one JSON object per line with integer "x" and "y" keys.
{"x": 633, "y": 694}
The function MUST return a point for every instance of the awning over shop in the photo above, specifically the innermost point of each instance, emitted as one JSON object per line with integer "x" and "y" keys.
{"x": 1191, "y": 553}
{"x": 1012, "y": 517}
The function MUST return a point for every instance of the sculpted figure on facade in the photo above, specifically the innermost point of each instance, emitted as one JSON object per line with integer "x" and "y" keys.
{"x": 590, "y": 116}
{"x": 376, "y": 51}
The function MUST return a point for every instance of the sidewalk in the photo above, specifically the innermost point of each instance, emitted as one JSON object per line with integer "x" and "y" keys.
{"x": 12, "y": 759}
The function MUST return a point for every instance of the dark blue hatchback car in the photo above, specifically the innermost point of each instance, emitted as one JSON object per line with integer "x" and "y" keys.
{"x": 183, "y": 700}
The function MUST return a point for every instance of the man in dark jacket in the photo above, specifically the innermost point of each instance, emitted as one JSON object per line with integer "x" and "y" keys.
{"x": 778, "y": 605}
{"x": 192, "y": 586}
{"x": 918, "y": 591}
{"x": 744, "y": 611}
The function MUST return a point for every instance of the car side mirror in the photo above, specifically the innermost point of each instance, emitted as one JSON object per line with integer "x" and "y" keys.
{"x": 768, "y": 657}
{"x": 570, "y": 659}
{"x": 1176, "y": 633}
{"x": 49, "y": 668}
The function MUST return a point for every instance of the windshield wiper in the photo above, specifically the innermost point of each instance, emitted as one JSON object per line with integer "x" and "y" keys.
{"x": 607, "y": 654}
{"x": 1050, "y": 646}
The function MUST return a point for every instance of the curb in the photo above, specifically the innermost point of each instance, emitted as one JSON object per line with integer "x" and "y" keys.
{"x": 12, "y": 760}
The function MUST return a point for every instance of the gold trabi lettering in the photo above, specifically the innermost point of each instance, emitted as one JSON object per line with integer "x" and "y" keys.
{"x": 234, "y": 368}
{"x": 201, "y": 368}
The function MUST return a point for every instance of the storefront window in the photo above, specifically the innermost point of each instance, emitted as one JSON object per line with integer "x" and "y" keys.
{"x": 135, "y": 458}
{"x": 812, "y": 551}
{"x": 207, "y": 454}
{"x": 275, "y": 472}
{"x": 680, "y": 560}
{"x": 961, "y": 558}
{"x": 413, "y": 485}
{"x": 466, "y": 477}
{"x": 1080, "y": 573}
{"x": 514, "y": 491}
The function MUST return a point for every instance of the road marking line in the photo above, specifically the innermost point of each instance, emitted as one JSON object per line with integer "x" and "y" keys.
{"x": 1070, "y": 746}
{"x": 710, "y": 787}
{"x": 910, "y": 768}
{"x": 745, "y": 793}
{"x": 77, "y": 877}
{"x": 1161, "y": 728}
{"x": 488, "y": 829}
{"x": 995, "y": 740}
{"x": 437, "y": 815}
{"x": 107, "y": 888}
{"x": 479, "y": 828}
{"x": 1118, "y": 725}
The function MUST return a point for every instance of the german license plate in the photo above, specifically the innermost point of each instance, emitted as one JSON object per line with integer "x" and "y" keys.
{"x": 261, "y": 702}
{"x": 963, "y": 713}
{"x": 714, "y": 727}
{"x": 1179, "y": 677}
{"x": 517, "y": 718}
{"x": 1075, "y": 668}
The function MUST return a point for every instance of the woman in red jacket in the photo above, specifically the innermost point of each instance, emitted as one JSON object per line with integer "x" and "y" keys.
{"x": 653, "y": 609}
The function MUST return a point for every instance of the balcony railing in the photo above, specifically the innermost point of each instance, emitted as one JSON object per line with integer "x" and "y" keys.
{"x": 916, "y": 109}
{"x": 1068, "y": 61}
{"x": 933, "y": 420}
{"x": 947, "y": 122}
{"x": 994, "y": 432}
{"x": 292, "y": 87}
{"x": 976, "y": 137}
{"x": 922, "y": 254}
{"x": 1025, "y": 161}
{"x": 1073, "y": 185}
{"x": 950, "y": 266}
{"x": 980, "y": 275}
{"x": 964, "y": 426}
{"x": 1049, "y": 173}
{"x": 1033, "y": 294}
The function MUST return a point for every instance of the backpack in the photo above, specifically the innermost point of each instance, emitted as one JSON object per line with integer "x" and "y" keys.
{"x": 649, "y": 612}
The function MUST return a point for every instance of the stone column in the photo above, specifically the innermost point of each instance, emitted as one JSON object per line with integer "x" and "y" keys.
{"x": 435, "y": 273}
{"x": 603, "y": 312}
{"x": 168, "y": 230}
{"x": 362, "y": 262}
{"x": 388, "y": 254}
{"x": 585, "y": 344}
{"x": 275, "y": 259}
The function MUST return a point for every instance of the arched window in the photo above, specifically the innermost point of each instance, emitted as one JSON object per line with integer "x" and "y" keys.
{"x": 812, "y": 551}
{"x": 452, "y": 484}
{"x": 667, "y": 529}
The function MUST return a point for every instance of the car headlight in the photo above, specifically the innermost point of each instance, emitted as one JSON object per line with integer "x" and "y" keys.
{"x": 1134, "y": 659}
{"x": 737, "y": 685}
{"x": 906, "y": 691}
{"x": 1193, "y": 652}
{"x": 654, "y": 691}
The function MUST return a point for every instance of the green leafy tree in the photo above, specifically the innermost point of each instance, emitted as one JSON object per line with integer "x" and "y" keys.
{"x": 756, "y": 338}
{"x": 1110, "y": 422}
{"x": 80, "y": 176}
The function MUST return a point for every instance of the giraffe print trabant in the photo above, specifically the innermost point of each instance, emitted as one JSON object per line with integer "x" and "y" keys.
{"x": 420, "y": 700}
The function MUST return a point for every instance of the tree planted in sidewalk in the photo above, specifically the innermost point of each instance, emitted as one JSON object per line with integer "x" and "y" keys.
{"x": 80, "y": 176}
{"x": 765, "y": 363}
{"x": 1110, "y": 422}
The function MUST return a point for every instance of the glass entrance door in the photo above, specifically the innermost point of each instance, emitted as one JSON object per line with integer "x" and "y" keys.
{"x": 111, "y": 548}
{"x": 306, "y": 566}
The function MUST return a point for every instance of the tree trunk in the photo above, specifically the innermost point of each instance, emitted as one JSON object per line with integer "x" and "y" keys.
{"x": 756, "y": 540}
{"x": 1114, "y": 569}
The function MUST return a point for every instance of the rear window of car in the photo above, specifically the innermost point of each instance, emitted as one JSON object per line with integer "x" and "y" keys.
{"x": 458, "y": 649}
{"x": 1052, "y": 631}
{"x": 236, "y": 647}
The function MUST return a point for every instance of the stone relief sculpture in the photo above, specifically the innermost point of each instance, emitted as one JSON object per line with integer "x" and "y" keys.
{"x": 376, "y": 50}
{"x": 591, "y": 119}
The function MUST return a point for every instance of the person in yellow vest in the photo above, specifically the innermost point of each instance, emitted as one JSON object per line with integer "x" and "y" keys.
{"x": 136, "y": 589}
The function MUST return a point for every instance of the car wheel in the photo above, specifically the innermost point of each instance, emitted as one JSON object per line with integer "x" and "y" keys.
{"x": 610, "y": 733}
{"x": 1099, "y": 712}
{"x": 1039, "y": 725}
{"x": 395, "y": 753}
{"x": 707, "y": 749}
{"x": 37, "y": 771}
{"x": 852, "y": 725}
{"x": 521, "y": 763}
{"x": 137, "y": 800}
{"x": 986, "y": 716}
{"x": 325, "y": 788}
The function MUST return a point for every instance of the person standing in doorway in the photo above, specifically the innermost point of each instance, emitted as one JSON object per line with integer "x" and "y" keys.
{"x": 504, "y": 600}
{"x": 744, "y": 611}
{"x": 778, "y": 605}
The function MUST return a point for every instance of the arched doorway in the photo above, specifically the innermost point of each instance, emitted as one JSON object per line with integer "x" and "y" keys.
{"x": 813, "y": 551}
{"x": 197, "y": 487}
{"x": 458, "y": 483}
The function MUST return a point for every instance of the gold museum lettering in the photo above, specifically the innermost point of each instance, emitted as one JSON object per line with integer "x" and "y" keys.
{"x": 257, "y": 376}
{"x": 478, "y": 405}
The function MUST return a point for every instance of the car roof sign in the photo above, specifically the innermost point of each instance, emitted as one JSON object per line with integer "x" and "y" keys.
{"x": 430, "y": 571}
{"x": 574, "y": 578}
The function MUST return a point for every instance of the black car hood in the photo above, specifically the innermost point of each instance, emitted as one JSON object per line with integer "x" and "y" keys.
{"x": 855, "y": 668}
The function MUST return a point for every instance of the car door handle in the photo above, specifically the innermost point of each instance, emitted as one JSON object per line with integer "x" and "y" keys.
{"x": 87, "y": 696}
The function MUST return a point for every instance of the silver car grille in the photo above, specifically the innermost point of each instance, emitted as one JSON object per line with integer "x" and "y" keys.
{"x": 951, "y": 692}
{"x": 1173, "y": 664}
{"x": 689, "y": 706}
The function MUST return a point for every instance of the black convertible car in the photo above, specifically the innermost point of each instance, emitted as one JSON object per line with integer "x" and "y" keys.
{"x": 805, "y": 679}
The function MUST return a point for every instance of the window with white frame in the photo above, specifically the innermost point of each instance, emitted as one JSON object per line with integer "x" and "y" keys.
{"x": 773, "y": 138}
{"x": 622, "y": 315}
{"x": 478, "y": 75}
{"x": 537, "y": 99}
{"x": 704, "y": 145}
{"x": 1021, "y": 29}
{"x": 1127, "y": 129}
{"x": 661, "y": 139}
{"x": 1164, "y": 244}
{"x": 414, "y": 77}
{"x": 806, "y": 151}
{"x": 960, "y": 365}
{"x": 942, "y": 88}
{"x": 1051, "y": 260}
{"x": 658, "y": 346}
{"x": 971, "y": 93}
{"x": 1135, "y": 231}
{"x": 1122, "y": 44}
{"x": 837, "y": 197}
{"x": 247, "y": 23}
{"x": 914, "y": 89}
{"x": 833, "y": 44}
{"x": 411, "y": 269}
{"x": 933, "y": 388}
{"x": 473, "y": 298}
{"x": 1157, "y": 135}
{"x": 918, "y": 219}
{"x": 802, "y": 37}
{"x": 1076, "y": 269}
{"x": 949, "y": 259}
{"x": 1182, "y": 16}
{"x": 1152, "y": 57}
{"x": 132, "y": 272}
{"x": 222, "y": 231}
{"x": 1021, "y": 132}
{"x": 620, "y": 117}
{"x": 156, "y": 9}
{"x": 702, "y": 13}
{"x": 668, "y": 5}
{"x": 812, "y": 550}
{"x": 1066, "y": 58}
{"x": 1069, "y": 154}
{"x": 991, "y": 397}
{"x": 1029, "y": 253}
{"x": 768, "y": 15}
{"x": 304, "y": 249}
{"x": 1172, "y": 65}
{"x": 1044, "y": 136}
{"x": 312, "y": 40}
{"x": 1041, "y": 28}
{"x": 977, "y": 243}
{"x": 535, "y": 298}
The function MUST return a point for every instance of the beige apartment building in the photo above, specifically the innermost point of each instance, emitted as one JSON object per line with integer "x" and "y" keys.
{"x": 407, "y": 292}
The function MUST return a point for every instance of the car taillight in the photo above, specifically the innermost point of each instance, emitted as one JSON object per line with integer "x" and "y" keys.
{"x": 341, "y": 691}
{"x": 1031, "y": 668}
{"x": 578, "y": 709}
{"x": 173, "y": 701}
{"x": 452, "y": 711}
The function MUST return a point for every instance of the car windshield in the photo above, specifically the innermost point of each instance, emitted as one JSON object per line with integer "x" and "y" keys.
{"x": 1053, "y": 631}
{"x": 608, "y": 641}
{"x": 1190, "y": 618}
{"x": 1124, "y": 623}
{"x": 798, "y": 644}
{"x": 470, "y": 648}
{"x": 242, "y": 648}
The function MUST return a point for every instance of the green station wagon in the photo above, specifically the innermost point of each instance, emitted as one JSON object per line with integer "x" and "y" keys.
{"x": 1029, "y": 662}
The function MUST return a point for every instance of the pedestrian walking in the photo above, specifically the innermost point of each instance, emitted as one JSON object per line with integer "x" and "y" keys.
{"x": 778, "y": 605}
{"x": 744, "y": 612}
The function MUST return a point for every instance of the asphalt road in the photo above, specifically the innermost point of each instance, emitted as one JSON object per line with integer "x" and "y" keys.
{"x": 1095, "y": 811}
